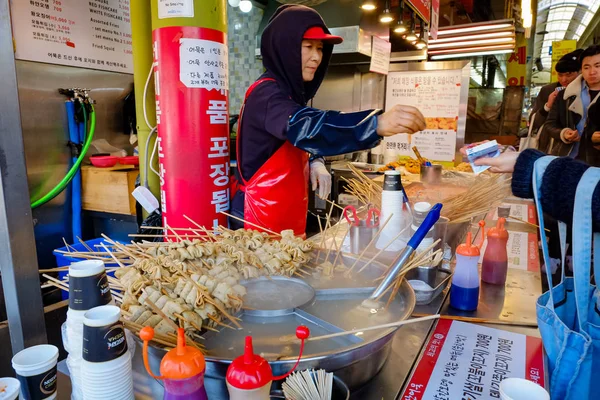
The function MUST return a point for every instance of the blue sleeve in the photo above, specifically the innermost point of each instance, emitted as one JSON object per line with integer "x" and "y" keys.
{"x": 329, "y": 133}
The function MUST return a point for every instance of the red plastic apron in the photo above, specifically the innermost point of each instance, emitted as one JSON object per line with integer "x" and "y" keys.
{"x": 277, "y": 194}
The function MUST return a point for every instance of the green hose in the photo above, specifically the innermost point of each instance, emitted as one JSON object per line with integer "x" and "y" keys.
{"x": 67, "y": 179}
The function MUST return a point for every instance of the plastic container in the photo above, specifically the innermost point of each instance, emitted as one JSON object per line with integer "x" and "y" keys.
{"x": 464, "y": 292}
{"x": 129, "y": 160}
{"x": 522, "y": 389}
{"x": 104, "y": 161}
{"x": 182, "y": 369}
{"x": 11, "y": 388}
{"x": 393, "y": 205}
{"x": 495, "y": 259}
{"x": 36, "y": 371}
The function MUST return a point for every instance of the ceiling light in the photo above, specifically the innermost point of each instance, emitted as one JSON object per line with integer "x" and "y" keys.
{"x": 245, "y": 6}
{"x": 507, "y": 40}
{"x": 463, "y": 55}
{"x": 472, "y": 49}
{"x": 369, "y": 5}
{"x": 234, "y": 3}
{"x": 420, "y": 43}
{"x": 411, "y": 36}
{"x": 400, "y": 27}
{"x": 477, "y": 27}
{"x": 472, "y": 37}
{"x": 387, "y": 15}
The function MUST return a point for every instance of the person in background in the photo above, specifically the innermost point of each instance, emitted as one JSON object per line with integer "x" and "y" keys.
{"x": 278, "y": 131}
{"x": 573, "y": 120}
{"x": 567, "y": 70}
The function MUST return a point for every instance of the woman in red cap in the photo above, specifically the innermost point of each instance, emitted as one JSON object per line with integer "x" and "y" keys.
{"x": 279, "y": 136}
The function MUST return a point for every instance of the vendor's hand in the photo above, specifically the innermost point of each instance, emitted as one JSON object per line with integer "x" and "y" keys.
{"x": 551, "y": 99}
{"x": 320, "y": 177}
{"x": 596, "y": 140}
{"x": 505, "y": 162}
{"x": 400, "y": 119}
{"x": 572, "y": 136}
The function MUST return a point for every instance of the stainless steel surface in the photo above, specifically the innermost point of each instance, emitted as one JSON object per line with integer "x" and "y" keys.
{"x": 437, "y": 281}
{"x": 18, "y": 264}
{"x": 465, "y": 66}
{"x": 431, "y": 174}
{"x": 275, "y": 296}
{"x": 360, "y": 236}
{"x": 391, "y": 274}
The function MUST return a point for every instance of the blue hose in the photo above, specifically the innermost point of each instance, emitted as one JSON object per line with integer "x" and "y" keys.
{"x": 75, "y": 137}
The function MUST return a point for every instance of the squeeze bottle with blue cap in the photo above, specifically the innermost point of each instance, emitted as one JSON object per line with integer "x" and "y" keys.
{"x": 464, "y": 292}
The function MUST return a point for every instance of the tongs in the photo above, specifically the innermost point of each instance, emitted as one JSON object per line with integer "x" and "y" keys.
{"x": 372, "y": 220}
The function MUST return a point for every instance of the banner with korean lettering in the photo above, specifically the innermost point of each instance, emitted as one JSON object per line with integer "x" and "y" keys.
{"x": 437, "y": 95}
{"x": 91, "y": 34}
{"x": 467, "y": 361}
{"x": 559, "y": 49}
{"x": 191, "y": 80}
{"x": 422, "y": 7}
{"x": 516, "y": 67}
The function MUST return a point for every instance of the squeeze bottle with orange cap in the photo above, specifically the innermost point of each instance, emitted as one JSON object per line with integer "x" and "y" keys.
{"x": 464, "y": 292}
{"x": 249, "y": 376}
{"x": 182, "y": 369}
{"x": 495, "y": 258}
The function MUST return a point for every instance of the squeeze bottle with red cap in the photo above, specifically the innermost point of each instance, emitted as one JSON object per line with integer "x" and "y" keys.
{"x": 464, "y": 292}
{"x": 249, "y": 376}
{"x": 182, "y": 369}
{"x": 495, "y": 258}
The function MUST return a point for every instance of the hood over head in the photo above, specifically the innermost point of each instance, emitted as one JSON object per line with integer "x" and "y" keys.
{"x": 281, "y": 49}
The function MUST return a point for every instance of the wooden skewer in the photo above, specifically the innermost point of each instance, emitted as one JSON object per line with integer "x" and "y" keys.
{"x": 59, "y": 269}
{"x": 370, "y": 243}
{"x": 334, "y": 240}
{"x": 149, "y": 235}
{"x": 195, "y": 224}
{"x": 339, "y": 250}
{"x": 61, "y": 287}
{"x": 159, "y": 312}
{"x": 481, "y": 320}
{"x": 388, "y": 244}
{"x": 372, "y": 328}
{"x": 113, "y": 257}
{"x": 527, "y": 222}
{"x": 67, "y": 245}
{"x": 331, "y": 202}
{"x": 84, "y": 244}
{"x": 324, "y": 233}
{"x": 250, "y": 223}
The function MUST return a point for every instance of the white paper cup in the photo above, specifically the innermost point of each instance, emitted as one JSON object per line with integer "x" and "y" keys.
{"x": 522, "y": 389}
{"x": 36, "y": 370}
{"x": 11, "y": 391}
{"x": 85, "y": 268}
{"x": 102, "y": 316}
{"x": 88, "y": 287}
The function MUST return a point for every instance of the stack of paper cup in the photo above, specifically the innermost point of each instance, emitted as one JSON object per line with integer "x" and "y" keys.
{"x": 106, "y": 367}
{"x": 88, "y": 288}
{"x": 36, "y": 371}
{"x": 522, "y": 389}
{"x": 9, "y": 388}
{"x": 392, "y": 205}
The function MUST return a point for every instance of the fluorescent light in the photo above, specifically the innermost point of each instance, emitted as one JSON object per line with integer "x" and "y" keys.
{"x": 472, "y": 37}
{"x": 470, "y": 49}
{"x": 477, "y": 27}
{"x": 507, "y": 40}
{"x": 463, "y": 55}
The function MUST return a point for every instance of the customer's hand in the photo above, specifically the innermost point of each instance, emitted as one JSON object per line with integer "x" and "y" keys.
{"x": 551, "y": 99}
{"x": 400, "y": 119}
{"x": 571, "y": 136}
{"x": 505, "y": 162}
{"x": 320, "y": 177}
{"x": 596, "y": 140}
{"x": 463, "y": 150}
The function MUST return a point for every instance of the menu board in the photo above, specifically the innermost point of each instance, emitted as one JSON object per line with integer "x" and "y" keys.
{"x": 91, "y": 33}
{"x": 437, "y": 95}
{"x": 467, "y": 361}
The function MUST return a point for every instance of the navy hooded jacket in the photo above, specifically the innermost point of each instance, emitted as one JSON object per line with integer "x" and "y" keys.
{"x": 276, "y": 110}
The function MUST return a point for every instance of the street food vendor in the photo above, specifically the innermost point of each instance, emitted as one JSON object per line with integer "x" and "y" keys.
{"x": 280, "y": 138}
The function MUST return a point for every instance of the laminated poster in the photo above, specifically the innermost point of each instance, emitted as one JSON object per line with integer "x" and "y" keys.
{"x": 437, "y": 95}
{"x": 468, "y": 361}
{"x": 91, "y": 34}
{"x": 522, "y": 250}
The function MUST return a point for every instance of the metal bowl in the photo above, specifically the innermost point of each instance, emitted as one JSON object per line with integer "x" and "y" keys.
{"x": 336, "y": 307}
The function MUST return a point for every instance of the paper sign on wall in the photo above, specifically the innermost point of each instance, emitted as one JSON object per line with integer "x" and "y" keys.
{"x": 175, "y": 8}
{"x": 437, "y": 95}
{"x": 91, "y": 34}
{"x": 380, "y": 56}
{"x": 467, "y": 361}
{"x": 203, "y": 64}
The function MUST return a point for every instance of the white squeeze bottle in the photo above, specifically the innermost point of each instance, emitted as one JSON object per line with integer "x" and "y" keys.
{"x": 392, "y": 205}
{"x": 464, "y": 292}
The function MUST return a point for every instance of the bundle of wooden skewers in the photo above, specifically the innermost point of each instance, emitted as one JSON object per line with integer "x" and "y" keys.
{"x": 483, "y": 193}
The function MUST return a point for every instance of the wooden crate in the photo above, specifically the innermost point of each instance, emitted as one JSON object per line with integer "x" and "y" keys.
{"x": 108, "y": 190}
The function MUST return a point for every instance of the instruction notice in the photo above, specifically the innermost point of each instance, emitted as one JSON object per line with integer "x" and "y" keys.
{"x": 467, "y": 361}
{"x": 91, "y": 34}
{"x": 380, "y": 57}
{"x": 175, "y": 8}
{"x": 523, "y": 212}
{"x": 203, "y": 64}
{"x": 437, "y": 95}
{"x": 522, "y": 251}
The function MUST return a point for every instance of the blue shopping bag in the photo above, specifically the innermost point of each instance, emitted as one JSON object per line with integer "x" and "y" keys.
{"x": 568, "y": 314}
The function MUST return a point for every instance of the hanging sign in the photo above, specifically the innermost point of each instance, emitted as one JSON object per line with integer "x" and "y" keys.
{"x": 435, "y": 19}
{"x": 91, "y": 34}
{"x": 559, "y": 49}
{"x": 516, "y": 67}
{"x": 422, "y": 7}
{"x": 437, "y": 95}
{"x": 468, "y": 361}
{"x": 380, "y": 57}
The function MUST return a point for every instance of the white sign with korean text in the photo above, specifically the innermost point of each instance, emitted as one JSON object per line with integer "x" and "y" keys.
{"x": 380, "y": 56}
{"x": 92, "y": 34}
{"x": 437, "y": 95}
{"x": 467, "y": 361}
{"x": 203, "y": 64}
{"x": 522, "y": 251}
{"x": 175, "y": 8}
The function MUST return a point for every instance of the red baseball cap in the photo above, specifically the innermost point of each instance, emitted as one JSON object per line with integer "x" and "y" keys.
{"x": 318, "y": 33}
